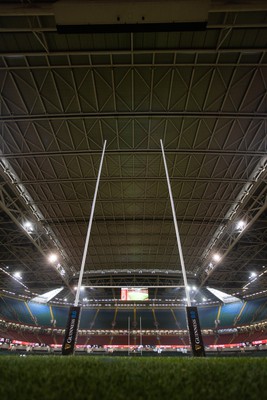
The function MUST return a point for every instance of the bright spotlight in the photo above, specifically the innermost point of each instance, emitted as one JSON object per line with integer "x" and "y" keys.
{"x": 28, "y": 226}
{"x": 253, "y": 275}
{"x": 204, "y": 299}
{"x": 17, "y": 275}
{"x": 65, "y": 299}
{"x": 240, "y": 226}
{"x": 82, "y": 287}
{"x": 216, "y": 257}
{"x": 194, "y": 288}
{"x": 52, "y": 258}
{"x": 188, "y": 287}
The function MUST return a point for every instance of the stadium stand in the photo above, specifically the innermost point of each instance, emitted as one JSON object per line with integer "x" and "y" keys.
{"x": 147, "y": 318}
{"x": 165, "y": 319}
{"x": 250, "y": 310}
{"x": 31, "y": 322}
{"x": 60, "y": 314}
{"x": 41, "y": 313}
{"x": 87, "y": 318}
{"x": 121, "y": 321}
{"x": 228, "y": 314}
{"x": 207, "y": 316}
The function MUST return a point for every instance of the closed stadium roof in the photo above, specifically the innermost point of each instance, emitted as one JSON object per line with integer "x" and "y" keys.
{"x": 203, "y": 92}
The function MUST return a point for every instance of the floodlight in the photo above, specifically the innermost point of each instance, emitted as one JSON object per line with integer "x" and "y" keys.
{"x": 52, "y": 258}
{"x": 240, "y": 225}
{"x": 17, "y": 275}
{"x": 28, "y": 226}
{"x": 216, "y": 257}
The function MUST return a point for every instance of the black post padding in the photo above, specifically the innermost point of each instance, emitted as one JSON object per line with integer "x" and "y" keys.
{"x": 72, "y": 327}
{"x": 196, "y": 340}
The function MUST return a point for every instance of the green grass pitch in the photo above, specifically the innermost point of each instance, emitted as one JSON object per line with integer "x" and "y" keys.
{"x": 115, "y": 378}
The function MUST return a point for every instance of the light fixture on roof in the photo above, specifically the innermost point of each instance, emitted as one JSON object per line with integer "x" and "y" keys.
{"x": 253, "y": 275}
{"x": 28, "y": 226}
{"x": 17, "y": 275}
{"x": 65, "y": 299}
{"x": 240, "y": 226}
{"x": 216, "y": 257}
{"x": 204, "y": 299}
{"x": 194, "y": 288}
{"x": 52, "y": 258}
{"x": 82, "y": 287}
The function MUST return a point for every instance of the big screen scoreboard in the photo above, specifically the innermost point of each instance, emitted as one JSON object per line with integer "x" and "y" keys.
{"x": 134, "y": 294}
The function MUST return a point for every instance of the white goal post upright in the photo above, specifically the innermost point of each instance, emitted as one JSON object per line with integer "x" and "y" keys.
{"x": 197, "y": 345}
{"x": 77, "y": 298}
{"x": 180, "y": 251}
{"x": 71, "y": 332}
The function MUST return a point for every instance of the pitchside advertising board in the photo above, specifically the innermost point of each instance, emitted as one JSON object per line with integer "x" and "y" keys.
{"x": 71, "y": 331}
{"x": 195, "y": 332}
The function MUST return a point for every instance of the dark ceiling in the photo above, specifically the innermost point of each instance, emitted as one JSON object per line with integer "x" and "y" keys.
{"x": 202, "y": 92}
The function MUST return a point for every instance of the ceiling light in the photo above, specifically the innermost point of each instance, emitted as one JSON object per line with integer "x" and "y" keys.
{"x": 82, "y": 287}
{"x": 52, "y": 258}
{"x": 65, "y": 299}
{"x": 204, "y": 299}
{"x": 216, "y": 257}
{"x": 240, "y": 225}
{"x": 253, "y": 275}
{"x": 28, "y": 226}
{"x": 194, "y": 288}
{"x": 17, "y": 275}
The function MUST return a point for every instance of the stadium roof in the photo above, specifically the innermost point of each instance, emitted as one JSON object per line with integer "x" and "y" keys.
{"x": 203, "y": 92}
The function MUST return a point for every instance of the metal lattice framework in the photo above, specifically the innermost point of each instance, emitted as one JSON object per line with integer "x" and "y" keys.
{"x": 204, "y": 93}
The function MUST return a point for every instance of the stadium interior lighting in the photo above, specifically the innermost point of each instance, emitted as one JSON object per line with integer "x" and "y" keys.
{"x": 204, "y": 299}
{"x": 28, "y": 226}
{"x": 52, "y": 258}
{"x": 65, "y": 299}
{"x": 194, "y": 288}
{"x": 253, "y": 275}
{"x": 17, "y": 275}
{"x": 82, "y": 287}
{"x": 240, "y": 226}
{"x": 216, "y": 257}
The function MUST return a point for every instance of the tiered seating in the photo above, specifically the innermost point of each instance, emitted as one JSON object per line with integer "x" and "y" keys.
{"x": 61, "y": 316}
{"x": 180, "y": 316}
{"x": 165, "y": 319}
{"x": 104, "y": 319}
{"x": 147, "y": 319}
{"x": 241, "y": 338}
{"x": 207, "y": 316}
{"x": 171, "y": 341}
{"x": 261, "y": 313}
{"x": 208, "y": 340}
{"x": 229, "y": 312}
{"x": 250, "y": 309}
{"x": 21, "y": 310}
{"x": 225, "y": 339}
{"x": 122, "y": 319}
{"x": 87, "y": 318}
{"x": 41, "y": 312}
{"x": 99, "y": 340}
{"x": 121, "y": 340}
{"x": 149, "y": 340}
{"x": 81, "y": 340}
{"x": 6, "y": 312}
